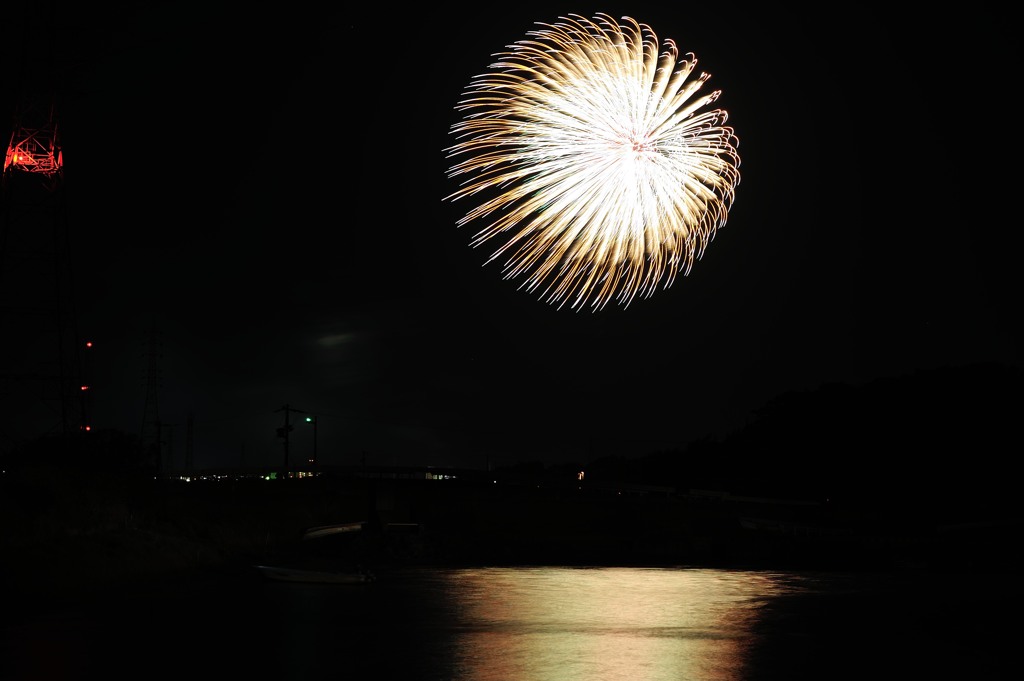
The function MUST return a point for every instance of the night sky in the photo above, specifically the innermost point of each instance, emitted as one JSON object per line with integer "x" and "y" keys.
{"x": 264, "y": 187}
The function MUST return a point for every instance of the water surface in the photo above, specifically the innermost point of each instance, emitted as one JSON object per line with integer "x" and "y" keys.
{"x": 537, "y": 624}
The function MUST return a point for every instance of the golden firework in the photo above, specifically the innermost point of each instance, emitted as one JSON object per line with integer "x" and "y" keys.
{"x": 594, "y": 160}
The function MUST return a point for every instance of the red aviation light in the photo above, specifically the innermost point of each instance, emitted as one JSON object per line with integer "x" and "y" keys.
{"x": 35, "y": 151}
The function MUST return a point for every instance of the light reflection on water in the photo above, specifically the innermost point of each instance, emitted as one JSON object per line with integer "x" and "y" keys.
{"x": 559, "y": 624}
{"x": 536, "y": 624}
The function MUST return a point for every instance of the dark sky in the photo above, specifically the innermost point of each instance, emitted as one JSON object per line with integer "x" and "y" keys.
{"x": 265, "y": 186}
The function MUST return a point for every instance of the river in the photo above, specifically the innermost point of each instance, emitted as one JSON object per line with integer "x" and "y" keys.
{"x": 536, "y": 624}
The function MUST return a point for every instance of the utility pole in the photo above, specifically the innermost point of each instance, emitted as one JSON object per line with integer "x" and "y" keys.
{"x": 284, "y": 431}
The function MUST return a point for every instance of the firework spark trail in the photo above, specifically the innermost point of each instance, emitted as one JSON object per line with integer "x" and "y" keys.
{"x": 594, "y": 162}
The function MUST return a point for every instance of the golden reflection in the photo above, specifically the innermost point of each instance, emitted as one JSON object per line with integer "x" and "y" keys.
{"x": 635, "y": 624}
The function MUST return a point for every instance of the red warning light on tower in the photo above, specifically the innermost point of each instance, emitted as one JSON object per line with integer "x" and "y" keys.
{"x": 34, "y": 143}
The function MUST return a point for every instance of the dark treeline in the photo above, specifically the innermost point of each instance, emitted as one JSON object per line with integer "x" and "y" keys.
{"x": 947, "y": 436}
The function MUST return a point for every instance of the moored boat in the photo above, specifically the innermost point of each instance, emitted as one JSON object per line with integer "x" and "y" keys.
{"x": 292, "y": 574}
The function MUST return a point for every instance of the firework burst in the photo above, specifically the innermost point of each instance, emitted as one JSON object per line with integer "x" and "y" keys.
{"x": 593, "y": 159}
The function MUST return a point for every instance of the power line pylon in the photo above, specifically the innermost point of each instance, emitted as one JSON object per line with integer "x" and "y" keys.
{"x": 189, "y": 443}
{"x": 44, "y": 390}
{"x": 151, "y": 435}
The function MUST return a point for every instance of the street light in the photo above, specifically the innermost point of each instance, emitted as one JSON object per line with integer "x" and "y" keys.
{"x": 312, "y": 419}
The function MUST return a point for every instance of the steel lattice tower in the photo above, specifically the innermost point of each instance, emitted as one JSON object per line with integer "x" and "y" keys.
{"x": 152, "y": 430}
{"x": 43, "y": 390}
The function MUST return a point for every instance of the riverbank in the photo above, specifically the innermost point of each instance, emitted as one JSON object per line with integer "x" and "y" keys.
{"x": 68, "y": 536}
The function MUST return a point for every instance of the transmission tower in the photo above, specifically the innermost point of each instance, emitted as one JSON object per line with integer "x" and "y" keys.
{"x": 44, "y": 391}
{"x": 151, "y": 435}
{"x": 189, "y": 443}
